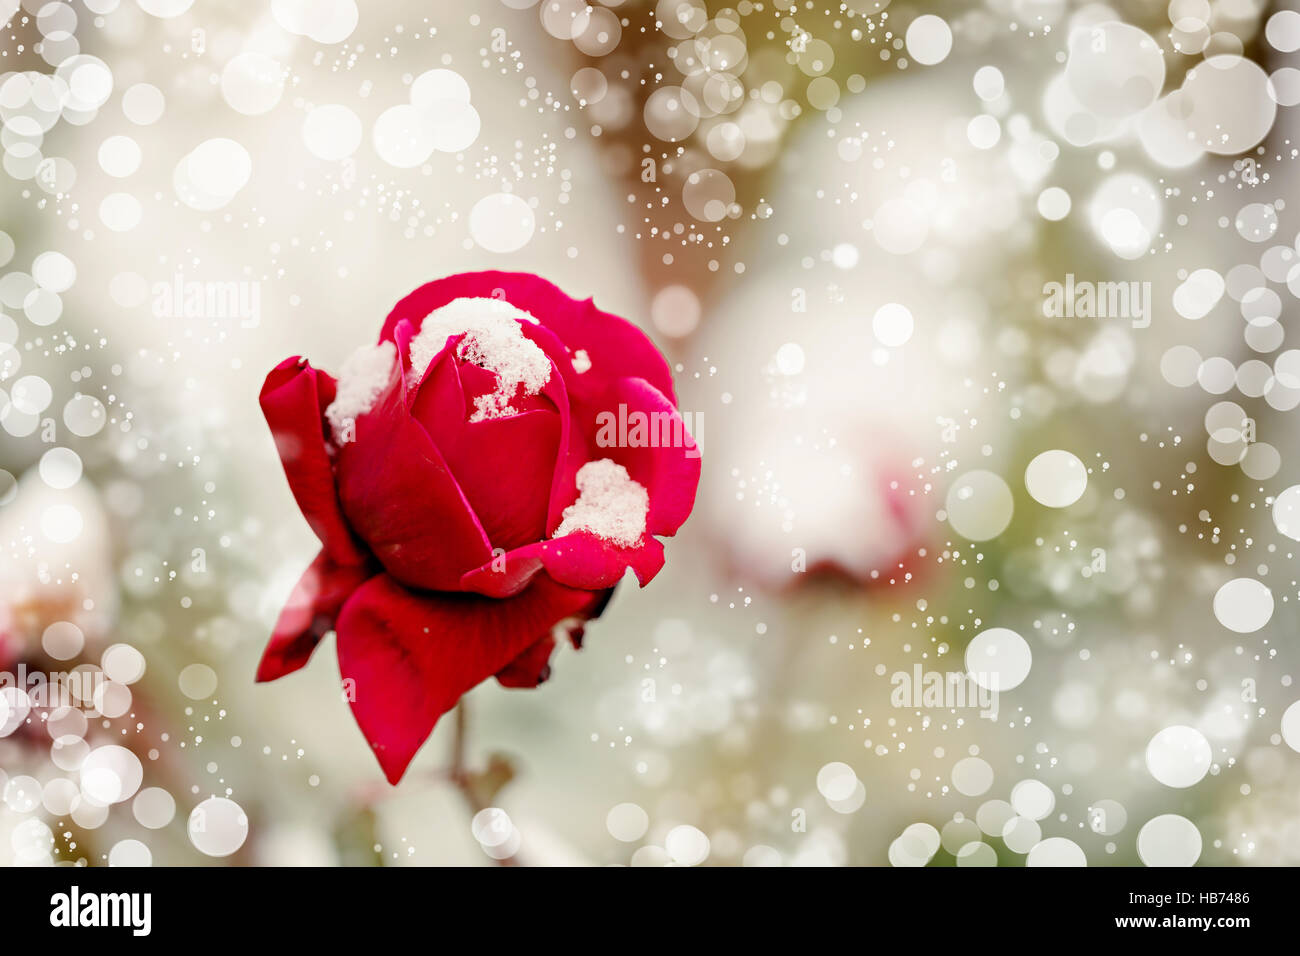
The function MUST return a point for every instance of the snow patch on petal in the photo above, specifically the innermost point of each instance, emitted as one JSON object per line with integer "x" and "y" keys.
{"x": 492, "y": 340}
{"x": 610, "y": 505}
{"x": 363, "y": 376}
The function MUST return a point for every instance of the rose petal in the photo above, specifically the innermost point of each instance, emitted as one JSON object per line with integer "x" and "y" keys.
{"x": 403, "y": 500}
{"x": 407, "y": 658}
{"x": 503, "y": 465}
{"x": 665, "y": 460}
{"x": 574, "y": 444}
{"x": 293, "y": 400}
{"x": 506, "y": 574}
{"x": 579, "y": 560}
{"x": 578, "y": 633}
{"x": 439, "y": 399}
{"x": 309, "y": 614}
{"x": 615, "y": 347}
{"x": 531, "y": 668}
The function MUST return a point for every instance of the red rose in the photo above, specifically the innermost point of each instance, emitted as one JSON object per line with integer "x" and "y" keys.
{"x": 471, "y": 493}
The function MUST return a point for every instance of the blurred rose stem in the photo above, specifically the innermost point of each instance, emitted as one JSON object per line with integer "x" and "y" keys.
{"x": 462, "y": 777}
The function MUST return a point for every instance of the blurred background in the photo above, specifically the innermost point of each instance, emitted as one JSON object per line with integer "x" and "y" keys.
{"x": 983, "y": 315}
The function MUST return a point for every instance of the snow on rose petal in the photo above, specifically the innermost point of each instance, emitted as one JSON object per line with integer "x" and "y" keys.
{"x": 492, "y": 339}
{"x": 364, "y": 374}
{"x": 610, "y": 505}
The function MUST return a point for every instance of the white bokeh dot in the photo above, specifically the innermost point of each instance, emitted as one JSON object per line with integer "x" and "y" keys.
{"x": 1179, "y": 756}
